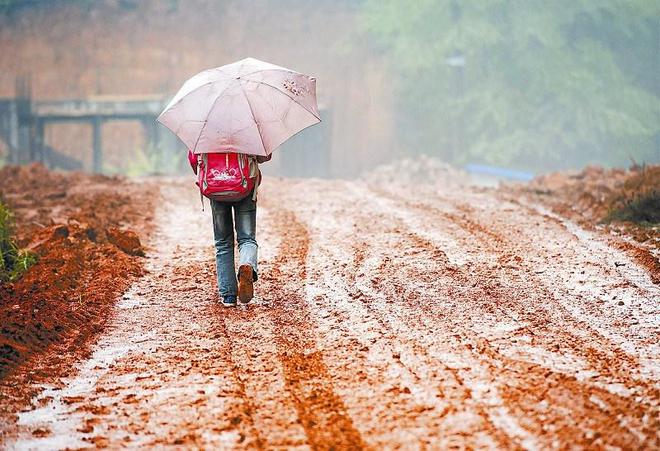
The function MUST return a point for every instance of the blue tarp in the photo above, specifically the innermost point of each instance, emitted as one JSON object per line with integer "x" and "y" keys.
{"x": 499, "y": 172}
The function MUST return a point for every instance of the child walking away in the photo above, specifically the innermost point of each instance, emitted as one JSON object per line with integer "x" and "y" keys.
{"x": 233, "y": 117}
{"x": 230, "y": 181}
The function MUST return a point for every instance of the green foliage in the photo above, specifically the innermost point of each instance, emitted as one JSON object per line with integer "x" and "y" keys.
{"x": 14, "y": 261}
{"x": 6, "y": 4}
{"x": 9, "y": 6}
{"x": 545, "y": 84}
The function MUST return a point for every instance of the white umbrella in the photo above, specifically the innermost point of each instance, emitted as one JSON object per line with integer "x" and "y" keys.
{"x": 249, "y": 107}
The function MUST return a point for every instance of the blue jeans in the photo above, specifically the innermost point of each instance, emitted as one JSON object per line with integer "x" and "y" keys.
{"x": 245, "y": 222}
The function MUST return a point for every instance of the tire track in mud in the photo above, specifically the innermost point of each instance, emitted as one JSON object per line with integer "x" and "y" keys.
{"x": 476, "y": 415}
{"x": 447, "y": 413}
{"x": 389, "y": 403}
{"x": 469, "y": 341}
{"x": 320, "y": 410}
{"x": 410, "y": 410}
{"x": 493, "y": 244}
{"x": 523, "y": 385}
{"x": 262, "y": 377}
{"x": 608, "y": 357}
{"x": 453, "y": 383}
{"x": 484, "y": 347}
{"x": 298, "y": 406}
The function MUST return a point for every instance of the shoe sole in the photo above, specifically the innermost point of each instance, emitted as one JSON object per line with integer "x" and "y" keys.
{"x": 245, "y": 284}
{"x": 228, "y": 305}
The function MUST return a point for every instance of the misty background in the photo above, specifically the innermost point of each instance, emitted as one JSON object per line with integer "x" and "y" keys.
{"x": 527, "y": 85}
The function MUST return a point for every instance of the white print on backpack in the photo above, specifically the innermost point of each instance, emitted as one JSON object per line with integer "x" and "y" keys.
{"x": 223, "y": 176}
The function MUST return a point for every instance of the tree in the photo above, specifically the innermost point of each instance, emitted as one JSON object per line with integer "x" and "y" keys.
{"x": 545, "y": 84}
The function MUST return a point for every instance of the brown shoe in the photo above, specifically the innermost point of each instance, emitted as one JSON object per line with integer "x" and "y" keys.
{"x": 245, "y": 283}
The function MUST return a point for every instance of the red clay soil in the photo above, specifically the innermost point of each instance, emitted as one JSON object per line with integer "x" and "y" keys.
{"x": 79, "y": 226}
{"x": 596, "y": 198}
{"x": 454, "y": 320}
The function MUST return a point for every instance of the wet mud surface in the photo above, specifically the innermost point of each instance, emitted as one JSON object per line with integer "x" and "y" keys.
{"x": 458, "y": 320}
{"x": 623, "y": 204}
{"x": 79, "y": 228}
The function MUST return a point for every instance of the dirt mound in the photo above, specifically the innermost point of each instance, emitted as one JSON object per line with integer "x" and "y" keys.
{"x": 412, "y": 171}
{"x": 77, "y": 225}
{"x": 126, "y": 240}
{"x": 623, "y": 202}
{"x": 600, "y": 195}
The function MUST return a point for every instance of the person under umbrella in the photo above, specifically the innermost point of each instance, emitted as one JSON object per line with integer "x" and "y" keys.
{"x": 232, "y": 118}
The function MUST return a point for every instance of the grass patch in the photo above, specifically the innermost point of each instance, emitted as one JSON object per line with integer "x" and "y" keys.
{"x": 643, "y": 209}
{"x": 638, "y": 200}
{"x": 14, "y": 261}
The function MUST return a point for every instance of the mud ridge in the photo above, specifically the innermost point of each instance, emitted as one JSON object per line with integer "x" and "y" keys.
{"x": 321, "y": 411}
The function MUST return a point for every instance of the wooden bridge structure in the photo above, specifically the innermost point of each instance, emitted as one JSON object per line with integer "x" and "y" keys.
{"x": 23, "y": 122}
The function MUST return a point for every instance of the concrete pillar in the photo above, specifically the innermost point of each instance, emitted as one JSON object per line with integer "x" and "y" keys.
{"x": 97, "y": 145}
{"x": 14, "y": 148}
{"x": 37, "y": 149}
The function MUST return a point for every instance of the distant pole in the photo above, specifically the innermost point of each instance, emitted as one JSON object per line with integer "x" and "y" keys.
{"x": 460, "y": 84}
{"x": 97, "y": 156}
{"x": 457, "y": 61}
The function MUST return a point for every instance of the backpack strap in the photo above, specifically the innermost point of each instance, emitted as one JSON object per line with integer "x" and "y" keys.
{"x": 256, "y": 183}
{"x": 199, "y": 185}
{"x": 254, "y": 165}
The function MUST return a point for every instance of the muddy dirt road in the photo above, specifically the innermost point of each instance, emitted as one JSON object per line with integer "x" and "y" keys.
{"x": 462, "y": 320}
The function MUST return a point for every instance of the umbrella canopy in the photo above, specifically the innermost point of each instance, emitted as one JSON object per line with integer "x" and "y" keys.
{"x": 249, "y": 107}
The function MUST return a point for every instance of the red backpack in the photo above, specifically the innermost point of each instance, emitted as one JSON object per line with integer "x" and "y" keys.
{"x": 225, "y": 177}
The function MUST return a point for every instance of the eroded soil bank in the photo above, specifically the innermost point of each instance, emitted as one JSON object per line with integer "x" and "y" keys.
{"x": 457, "y": 319}
{"x": 81, "y": 227}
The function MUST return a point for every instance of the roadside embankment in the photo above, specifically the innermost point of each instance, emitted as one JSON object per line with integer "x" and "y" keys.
{"x": 623, "y": 203}
{"x": 85, "y": 232}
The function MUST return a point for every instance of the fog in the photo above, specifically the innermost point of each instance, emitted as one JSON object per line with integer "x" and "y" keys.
{"x": 530, "y": 86}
